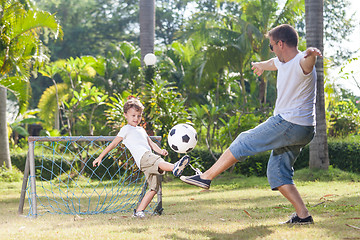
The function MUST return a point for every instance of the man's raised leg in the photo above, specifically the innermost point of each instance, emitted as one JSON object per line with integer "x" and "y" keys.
{"x": 225, "y": 161}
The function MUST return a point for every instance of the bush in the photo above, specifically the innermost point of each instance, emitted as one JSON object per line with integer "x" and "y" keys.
{"x": 6, "y": 175}
{"x": 344, "y": 155}
{"x": 54, "y": 165}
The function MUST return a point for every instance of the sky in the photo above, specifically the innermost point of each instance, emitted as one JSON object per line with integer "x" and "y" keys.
{"x": 354, "y": 7}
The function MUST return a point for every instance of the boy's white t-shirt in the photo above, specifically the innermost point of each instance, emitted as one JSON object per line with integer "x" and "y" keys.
{"x": 136, "y": 140}
{"x": 295, "y": 92}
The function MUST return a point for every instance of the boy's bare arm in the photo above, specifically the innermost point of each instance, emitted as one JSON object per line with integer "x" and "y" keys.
{"x": 156, "y": 148}
{"x": 110, "y": 147}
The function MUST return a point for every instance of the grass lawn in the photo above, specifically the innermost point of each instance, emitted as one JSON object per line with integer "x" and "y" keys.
{"x": 236, "y": 207}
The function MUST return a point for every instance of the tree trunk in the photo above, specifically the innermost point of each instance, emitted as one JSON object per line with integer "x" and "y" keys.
{"x": 319, "y": 156}
{"x": 4, "y": 139}
{"x": 147, "y": 27}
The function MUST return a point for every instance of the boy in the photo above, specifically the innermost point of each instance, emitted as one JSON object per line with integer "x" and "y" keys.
{"x": 140, "y": 145}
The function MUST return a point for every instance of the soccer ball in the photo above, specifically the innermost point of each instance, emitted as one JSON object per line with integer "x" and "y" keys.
{"x": 182, "y": 138}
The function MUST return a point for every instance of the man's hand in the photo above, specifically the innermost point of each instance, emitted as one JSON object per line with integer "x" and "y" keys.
{"x": 312, "y": 52}
{"x": 309, "y": 60}
{"x": 257, "y": 68}
{"x": 260, "y": 67}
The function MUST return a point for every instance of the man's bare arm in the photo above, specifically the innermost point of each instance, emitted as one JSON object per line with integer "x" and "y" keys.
{"x": 260, "y": 67}
{"x": 307, "y": 63}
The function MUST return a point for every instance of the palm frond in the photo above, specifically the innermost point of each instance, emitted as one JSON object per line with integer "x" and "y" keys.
{"x": 34, "y": 20}
{"x": 19, "y": 85}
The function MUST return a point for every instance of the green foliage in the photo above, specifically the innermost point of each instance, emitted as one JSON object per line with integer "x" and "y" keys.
{"x": 13, "y": 175}
{"x": 19, "y": 125}
{"x": 65, "y": 167}
{"x": 164, "y": 108}
{"x": 20, "y": 45}
{"x": 115, "y": 111}
{"x": 338, "y": 24}
{"x": 80, "y": 109}
{"x": 48, "y": 106}
{"x": 91, "y": 25}
{"x": 344, "y": 119}
{"x": 120, "y": 69}
{"x": 344, "y": 155}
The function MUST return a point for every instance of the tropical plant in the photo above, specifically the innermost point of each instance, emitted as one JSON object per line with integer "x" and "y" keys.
{"x": 50, "y": 105}
{"x": 91, "y": 25}
{"x": 120, "y": 70}
{"x": 19, "y": 126}
{"x": 115, "y": 111}
{"x": 164, "y": 108}
{"x": 21, "y": 48}
{"x": 79, "y": 110}
{"x": 344, "y": 119}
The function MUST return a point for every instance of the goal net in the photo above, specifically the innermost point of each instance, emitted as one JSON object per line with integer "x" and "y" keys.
{"x": 59, "y": 177}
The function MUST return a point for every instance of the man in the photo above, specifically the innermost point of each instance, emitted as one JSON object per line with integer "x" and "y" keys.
{"x": 285, "y": 133}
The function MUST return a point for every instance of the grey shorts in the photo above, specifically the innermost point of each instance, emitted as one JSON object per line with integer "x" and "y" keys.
{"x": 149, "y": 164}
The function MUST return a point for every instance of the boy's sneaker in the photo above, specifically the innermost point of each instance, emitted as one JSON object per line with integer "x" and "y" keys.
{"x": 197, "y": 181}
{"x": 140, "y": 214}
{"x": 180, "y": 165}
{"x": 295, "y": 220}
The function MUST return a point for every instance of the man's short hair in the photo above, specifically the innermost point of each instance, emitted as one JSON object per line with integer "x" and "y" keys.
{"x": 285, "y": 33}
{"x": 133, "y": 102}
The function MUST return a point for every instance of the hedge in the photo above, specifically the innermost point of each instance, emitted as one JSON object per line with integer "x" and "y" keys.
{"x": 53, "y": 165}
{"x": 343, "y": 155}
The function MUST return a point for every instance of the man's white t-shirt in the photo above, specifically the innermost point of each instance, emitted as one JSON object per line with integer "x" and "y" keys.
{"x": 136, "y": 140}
{"x": 295, "y": 92}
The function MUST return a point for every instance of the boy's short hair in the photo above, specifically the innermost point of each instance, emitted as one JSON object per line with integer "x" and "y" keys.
{"x": 133, "y": 102}
{"x": 285, "y": 33}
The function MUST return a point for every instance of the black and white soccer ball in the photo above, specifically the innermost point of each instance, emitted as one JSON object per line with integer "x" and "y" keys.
{"x": 182, "y": 138}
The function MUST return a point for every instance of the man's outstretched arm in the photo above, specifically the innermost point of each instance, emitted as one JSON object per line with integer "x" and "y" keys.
{"x": 260, "y": 67}
{"x": 307, "y": 63}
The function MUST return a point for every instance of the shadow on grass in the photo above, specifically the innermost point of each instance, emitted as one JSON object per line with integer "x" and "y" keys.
{"x": 138, "y": 230}
{"x": 251, "y": 232}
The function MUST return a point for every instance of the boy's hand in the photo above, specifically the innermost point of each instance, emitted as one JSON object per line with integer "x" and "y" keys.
{"x": 164, "y": 152}
{"x": 97, "y": 162}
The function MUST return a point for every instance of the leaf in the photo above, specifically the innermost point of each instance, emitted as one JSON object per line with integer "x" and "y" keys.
{"x": 328, "y": 195}
{"x": 247, "y": 213}
{"x": 20, "y": 130}
{"x": 357, "y": 228}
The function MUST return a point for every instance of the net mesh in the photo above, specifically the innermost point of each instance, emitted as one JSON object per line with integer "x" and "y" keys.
{"x": 67, "y": 183}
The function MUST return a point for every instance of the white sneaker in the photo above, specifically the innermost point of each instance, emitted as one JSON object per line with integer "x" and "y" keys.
{"x": 140, "y": 214}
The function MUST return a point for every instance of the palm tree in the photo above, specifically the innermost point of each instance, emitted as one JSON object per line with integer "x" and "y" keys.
{"x": 20, "y": 50}
{"x": 319, "y": 156}
{"x": 147, "y": 26}
{"x": 4, "y": 138}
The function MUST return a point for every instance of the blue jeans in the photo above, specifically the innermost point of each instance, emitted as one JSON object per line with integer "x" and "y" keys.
{"x": 284, "y": 138}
